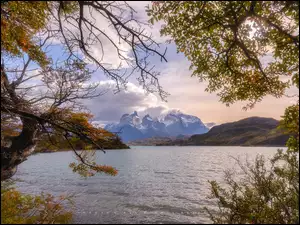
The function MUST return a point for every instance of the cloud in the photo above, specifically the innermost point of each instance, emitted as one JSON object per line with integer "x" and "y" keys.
{"x": 110, "y": 107}
{"x": 106, "y": 51}
{"x": 153, "y": 111}
{"x": 187, "y": 93}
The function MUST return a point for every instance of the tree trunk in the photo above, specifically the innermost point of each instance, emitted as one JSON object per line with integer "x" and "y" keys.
{"x": 21, "y": 147}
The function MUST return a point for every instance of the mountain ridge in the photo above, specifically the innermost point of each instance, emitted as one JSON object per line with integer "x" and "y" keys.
{"x": 172, "y": 123}
{"x": 252, "y": 131}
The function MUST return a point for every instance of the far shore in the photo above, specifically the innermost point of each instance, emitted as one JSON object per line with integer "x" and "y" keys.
{"x": 67, "y": 150}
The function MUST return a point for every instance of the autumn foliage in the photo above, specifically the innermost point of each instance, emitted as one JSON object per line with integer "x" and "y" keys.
{"x": 79, "y": 122}
{"x": 84, "y": 167}
{"x": 84, "y": 147}
{"x": 19, "y": 208}
{"x": 20, "y": 21}
{"x": 82, "y": 121}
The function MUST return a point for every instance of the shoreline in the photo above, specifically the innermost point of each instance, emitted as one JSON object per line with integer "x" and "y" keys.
{"x": 273, "y": 146}
{"x": 68, "y": 150}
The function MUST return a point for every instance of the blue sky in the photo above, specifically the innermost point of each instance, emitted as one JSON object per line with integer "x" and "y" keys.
{"x": 186, "y": 93}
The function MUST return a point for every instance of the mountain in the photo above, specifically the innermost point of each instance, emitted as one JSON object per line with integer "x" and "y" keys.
{"x": 249, "y": 131}
{"x": 172, "y": 123}
{"x": 210, "y": 125}
{"x": 253, "y": 131}
{"x": 178, "y": 123}
{"x": 129, "y": 127}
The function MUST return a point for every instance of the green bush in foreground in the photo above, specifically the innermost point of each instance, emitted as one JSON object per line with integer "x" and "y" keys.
{"x": 267, "y": 193}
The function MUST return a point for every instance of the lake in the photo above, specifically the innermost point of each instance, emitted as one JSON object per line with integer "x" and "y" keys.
{"x": 154, "y": 184}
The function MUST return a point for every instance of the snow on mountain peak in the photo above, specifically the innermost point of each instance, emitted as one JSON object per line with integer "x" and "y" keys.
{"x": 175, "y": 111}
{"x": 175, "y": 115}
{"x": 131, "y": 119}
{"x": 171, "y": 112}
{"x": 148, "y": 117}
{"x": 172, "y": 123}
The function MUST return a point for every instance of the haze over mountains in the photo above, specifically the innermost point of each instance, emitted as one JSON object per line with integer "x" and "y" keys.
{"x": 171, "y": 124}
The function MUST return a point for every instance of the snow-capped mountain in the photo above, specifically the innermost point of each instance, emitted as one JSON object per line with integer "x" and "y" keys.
{"x": 129, "y": 126}
{"x": 178, "y": 123}
{"x": 132, "y": 119}
{"x": 210, "y": 125}
{"x": 98, "y": 124}
{"x": 170, "y": 124}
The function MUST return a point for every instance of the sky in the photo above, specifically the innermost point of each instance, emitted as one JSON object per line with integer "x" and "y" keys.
{"x": 187, "y": 94}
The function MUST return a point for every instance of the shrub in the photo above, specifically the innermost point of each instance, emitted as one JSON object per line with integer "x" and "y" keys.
{"x": 266, "y": 193}
{"x": 19, "y": 208}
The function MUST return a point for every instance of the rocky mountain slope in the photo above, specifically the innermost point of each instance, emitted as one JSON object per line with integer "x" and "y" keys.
{"x": 170, "y": 124}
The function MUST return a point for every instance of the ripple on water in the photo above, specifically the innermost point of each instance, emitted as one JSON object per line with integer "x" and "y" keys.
{"x": 163, "y": 172}
{"x": 154, "y": 185}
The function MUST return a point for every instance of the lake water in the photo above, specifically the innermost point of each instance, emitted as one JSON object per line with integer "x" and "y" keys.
{"x": 154, "y": 184}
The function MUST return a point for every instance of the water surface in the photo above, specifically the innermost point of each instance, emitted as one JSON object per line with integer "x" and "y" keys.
{"x": 154, "y": 184}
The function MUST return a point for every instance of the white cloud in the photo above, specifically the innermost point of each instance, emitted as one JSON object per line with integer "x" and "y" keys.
{"x": 106, "y": 52}
{"x": 187, "y": 93}
{"x": 110, "y": 107}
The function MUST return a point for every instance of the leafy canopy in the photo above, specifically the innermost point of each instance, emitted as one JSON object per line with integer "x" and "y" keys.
{"x": 86, "y": 165}
{"x": 229, "y": 42}
{"x": 20, "y": 21}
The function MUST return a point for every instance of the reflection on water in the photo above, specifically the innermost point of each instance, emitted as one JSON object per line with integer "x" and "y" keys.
{"x": 154, "y": 184}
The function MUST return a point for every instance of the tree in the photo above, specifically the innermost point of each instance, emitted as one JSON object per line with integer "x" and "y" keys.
{"x": 227, "y": 43}
{"x": 9, "y": 128}
{"x": 20, "y": 21}
{"x": 59, "y": 139}
{"x": 40, "y": 112}
{"x": 55, "y": 139}
{"x": 27, "y": 32}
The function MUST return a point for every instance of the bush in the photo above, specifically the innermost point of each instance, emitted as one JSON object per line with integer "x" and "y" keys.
{"x": 18, "y": 208}
{"x": 266, "y": 193}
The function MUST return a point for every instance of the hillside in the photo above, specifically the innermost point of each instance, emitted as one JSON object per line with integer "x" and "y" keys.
{"x": 253, "y": 131}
